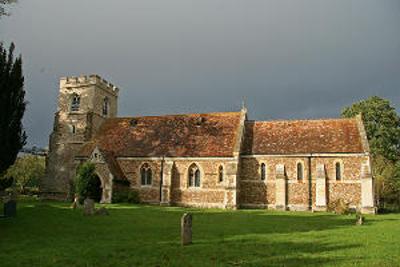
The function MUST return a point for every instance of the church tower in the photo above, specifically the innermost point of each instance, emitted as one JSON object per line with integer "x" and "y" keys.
{"x": 84, "y": 103}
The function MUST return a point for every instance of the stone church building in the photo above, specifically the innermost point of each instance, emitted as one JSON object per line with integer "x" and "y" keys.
{"x": 221, "y": 160}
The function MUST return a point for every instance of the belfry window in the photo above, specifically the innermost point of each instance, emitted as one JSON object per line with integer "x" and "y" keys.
{"x": 75, "y": 102}
{"x": 105, "y": 106}
{"x": 300, "y": 171}
{"x": 194, "y": 176}
{"x": 263, "y": 172}
{"x": 145, "y": 174}
{"x": 221, "y": 174}
{"x": 338, "y": 171}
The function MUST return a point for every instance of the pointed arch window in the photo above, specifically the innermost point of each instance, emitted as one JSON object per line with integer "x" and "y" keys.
{"x": 220, "y": 173}
{"x": 146, "y": 174}
{"x": 194, "y": 176}
{"x": 75, "y": 102}
{"x": 338, "y": 171}
{"x": 263, "y": 172}
{"x": 300, "y": 171}
{"x": 106, "y": 104}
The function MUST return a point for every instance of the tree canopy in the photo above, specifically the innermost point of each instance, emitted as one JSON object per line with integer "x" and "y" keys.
{"x": 27, "y": 171}
{"x": 382, "y": 124}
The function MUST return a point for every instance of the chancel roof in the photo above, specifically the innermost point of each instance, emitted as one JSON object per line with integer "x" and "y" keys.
{"x": 302, "y": 136}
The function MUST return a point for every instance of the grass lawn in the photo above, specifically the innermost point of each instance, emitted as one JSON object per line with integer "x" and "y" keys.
{"x": 51, "y": 234}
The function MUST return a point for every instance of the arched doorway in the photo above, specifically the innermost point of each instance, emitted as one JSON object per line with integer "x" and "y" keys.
{"x": 95, "y": 190}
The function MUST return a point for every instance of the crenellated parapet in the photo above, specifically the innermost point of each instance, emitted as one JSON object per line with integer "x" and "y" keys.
{"x": 87, "y": 80}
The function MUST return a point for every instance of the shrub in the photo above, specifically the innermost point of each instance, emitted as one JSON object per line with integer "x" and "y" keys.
{"x": 133, "y": 197}
{"x": 125, "y": 196}
{"x": 339, "y": 207}
{"x": 86, "y": 185}
{"x": 27, "y": 171}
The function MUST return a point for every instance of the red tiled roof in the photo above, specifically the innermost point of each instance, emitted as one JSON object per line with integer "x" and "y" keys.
{"x": 302, "y": 136}
{"x": 186, "y": 135}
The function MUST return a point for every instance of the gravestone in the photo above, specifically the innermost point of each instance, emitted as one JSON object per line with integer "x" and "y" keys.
{"x": 88, "y": 207}
{"x": 102, "y": 211}
{"x": 359, "y": 219}
{"x": 186, "y": 229}
{"x": 10, "y": 208}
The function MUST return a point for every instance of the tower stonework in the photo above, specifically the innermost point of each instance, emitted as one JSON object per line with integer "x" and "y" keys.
{"x": 84, "y": 103}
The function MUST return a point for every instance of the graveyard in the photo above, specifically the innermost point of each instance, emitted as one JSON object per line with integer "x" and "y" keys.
{"x": 45, "y": 233}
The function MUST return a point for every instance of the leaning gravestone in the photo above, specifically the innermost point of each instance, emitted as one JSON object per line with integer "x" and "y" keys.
{"x": 88, "y": 207}
{"x": 10, "y": 208}
{"x": 186, "y": 229}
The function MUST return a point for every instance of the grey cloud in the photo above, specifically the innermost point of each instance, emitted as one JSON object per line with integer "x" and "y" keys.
{"x": 289, "y": 59}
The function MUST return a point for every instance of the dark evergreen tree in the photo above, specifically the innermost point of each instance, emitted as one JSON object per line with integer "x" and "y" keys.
{"x": 12, "y": 107}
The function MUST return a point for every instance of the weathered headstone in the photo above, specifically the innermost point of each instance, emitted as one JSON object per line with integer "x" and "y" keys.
{"x": 359, "y": 219}
{"x": 88, "y": 207}
{"x": 186, "y": 229}
{"x": 102, "y": 211}
{"x": 10, "y": 208}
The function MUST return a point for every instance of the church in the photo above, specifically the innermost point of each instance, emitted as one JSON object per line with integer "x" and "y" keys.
{"x": 211, "y": 160}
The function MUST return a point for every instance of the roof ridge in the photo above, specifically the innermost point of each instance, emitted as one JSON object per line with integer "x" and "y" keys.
{"x": 175, "y": 115}
{"x": 300, "y": 120}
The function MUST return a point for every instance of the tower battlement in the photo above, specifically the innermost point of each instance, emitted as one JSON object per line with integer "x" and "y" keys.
{"x": 87, "y": 80}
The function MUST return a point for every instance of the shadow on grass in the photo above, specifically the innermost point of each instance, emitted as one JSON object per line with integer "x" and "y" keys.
{"x": 51, "y": 234}
{"x": 251, "y": 252}
{"x": 227, "y": 222}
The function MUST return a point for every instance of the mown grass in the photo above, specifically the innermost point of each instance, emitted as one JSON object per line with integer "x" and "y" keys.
{"x": 51, "y": 234}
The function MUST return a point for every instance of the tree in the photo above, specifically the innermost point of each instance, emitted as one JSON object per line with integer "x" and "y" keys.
{"x": 12, "y": 107}
{"x": 386, "y": 188}
{"x": 27, "y": 171}
{"x": 382, "y": 125}
{"x": 87, "y": 184}
{"x": 3, "y": 4}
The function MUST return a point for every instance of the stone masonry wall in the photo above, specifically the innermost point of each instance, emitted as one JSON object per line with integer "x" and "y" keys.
{"x": 257, "y": 193}
{"x": 211, "y": 193}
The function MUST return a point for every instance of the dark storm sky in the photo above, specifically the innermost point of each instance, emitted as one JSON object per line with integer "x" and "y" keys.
{"x": 289, "y": 59}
